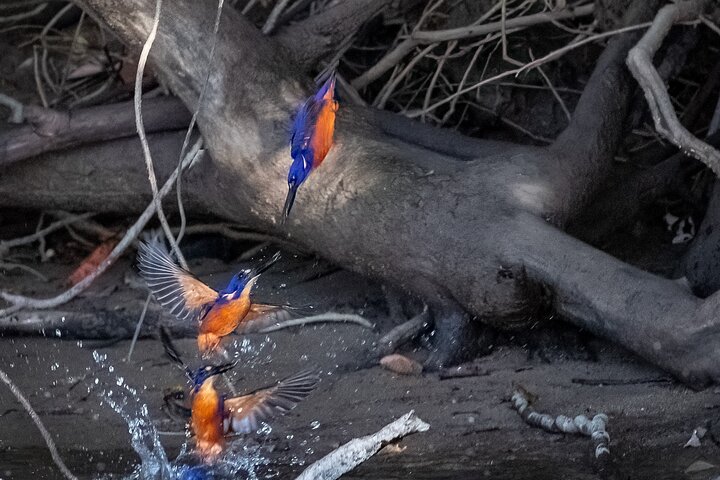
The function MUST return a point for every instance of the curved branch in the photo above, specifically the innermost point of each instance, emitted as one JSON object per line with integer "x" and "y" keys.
{"x": 639, "y": 60}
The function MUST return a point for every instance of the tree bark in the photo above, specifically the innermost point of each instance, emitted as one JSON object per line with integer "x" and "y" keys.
{"x": 468, "y": 225}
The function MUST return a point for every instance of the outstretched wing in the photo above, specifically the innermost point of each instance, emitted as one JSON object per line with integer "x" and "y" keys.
{"x": 175, "y": 288}
{"x": 244, "y": 414}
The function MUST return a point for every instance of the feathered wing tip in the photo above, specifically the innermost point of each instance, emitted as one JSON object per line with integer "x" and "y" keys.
{"x": 173, "y": 287}
{"x": 288, "y": 392}
{"x": 245, "y": 413}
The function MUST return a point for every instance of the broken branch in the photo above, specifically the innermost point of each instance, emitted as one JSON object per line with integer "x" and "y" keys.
{"x": 348, "y": 456}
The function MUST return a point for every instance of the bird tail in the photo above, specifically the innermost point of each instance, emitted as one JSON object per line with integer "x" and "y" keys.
{"x": 208, "y": 343}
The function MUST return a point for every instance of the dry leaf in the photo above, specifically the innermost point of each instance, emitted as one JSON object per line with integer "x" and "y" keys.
{"x": 91, "y": 262}
{"x": 401, "y": 364}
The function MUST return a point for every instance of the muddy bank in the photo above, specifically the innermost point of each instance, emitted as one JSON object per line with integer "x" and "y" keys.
{"x": 474, "y": 432}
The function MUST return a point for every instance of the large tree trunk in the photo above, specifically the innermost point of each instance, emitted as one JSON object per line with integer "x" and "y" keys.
{"x": 470, "y": 226}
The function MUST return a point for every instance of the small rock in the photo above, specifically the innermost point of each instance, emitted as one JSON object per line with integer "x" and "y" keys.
{"x": 401, "y": 364}
{"x": 694, "y": 441}
{"x": 699, "y": 466}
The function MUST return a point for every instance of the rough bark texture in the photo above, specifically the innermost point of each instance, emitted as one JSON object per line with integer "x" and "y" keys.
{"x": 471, "y": 226}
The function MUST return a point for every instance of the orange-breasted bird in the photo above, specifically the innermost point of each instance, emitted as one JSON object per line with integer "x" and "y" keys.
{"x": 312, "y": 138}
{"x": 219, "y": 313}
{"x": 213, "y": 416}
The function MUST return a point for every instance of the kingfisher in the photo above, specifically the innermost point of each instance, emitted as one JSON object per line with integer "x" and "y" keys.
{"x": 312, "y": 138}
{"x": 213, "y": 416}
{"x": 219, "y": 313}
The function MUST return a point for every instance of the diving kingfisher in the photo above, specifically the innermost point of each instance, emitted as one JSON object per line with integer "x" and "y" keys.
{"x": 219, "y": 313}
{"x": 312, "y": 138}
{"x": 212, "y": 416}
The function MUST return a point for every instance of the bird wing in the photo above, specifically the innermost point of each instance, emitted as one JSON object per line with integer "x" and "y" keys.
{"x": 243, "y": 414}
{"x": 174, "y": 287}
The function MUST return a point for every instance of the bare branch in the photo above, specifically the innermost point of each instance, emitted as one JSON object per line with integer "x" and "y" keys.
{"x": 639, "y": 61}
{"x": 428, "y": 37}
{"x": 38, "y": 423}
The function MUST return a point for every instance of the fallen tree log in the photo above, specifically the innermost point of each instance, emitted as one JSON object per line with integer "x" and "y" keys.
{"x": 473, "y": 227}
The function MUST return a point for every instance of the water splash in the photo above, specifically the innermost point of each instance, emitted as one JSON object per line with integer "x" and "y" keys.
{"x": 126, "y": 402}
{"x": 242, "y": 458}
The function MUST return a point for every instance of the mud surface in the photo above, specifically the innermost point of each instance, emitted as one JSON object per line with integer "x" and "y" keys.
{"x": 474, "y": 432}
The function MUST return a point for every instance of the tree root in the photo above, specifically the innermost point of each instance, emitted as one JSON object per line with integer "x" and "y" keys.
{"x": 403, "y": 333}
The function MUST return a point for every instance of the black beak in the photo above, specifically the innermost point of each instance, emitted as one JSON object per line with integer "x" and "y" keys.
{"x": 219, "y": 369}
{"x": 289, "y": 200}
{"x": 267, "y": 264}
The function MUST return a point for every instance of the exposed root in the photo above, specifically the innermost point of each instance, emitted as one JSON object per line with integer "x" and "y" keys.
{"x": 580, "y": 425}
{"x": 348, "y": 456}
{"x": 403, "y": 333}
{"x": 639, "y": 61}
{"x": 43, "y": 431}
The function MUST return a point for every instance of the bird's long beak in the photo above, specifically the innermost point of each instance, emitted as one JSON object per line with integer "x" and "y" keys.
{"x": 219, "y": 369}
{"x": 289, "y": 200}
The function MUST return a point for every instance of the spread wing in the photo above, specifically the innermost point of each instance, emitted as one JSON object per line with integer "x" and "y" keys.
{"x": 175, "y": 288}
{"x": 244, "y": 414}
{"x": 263, "y": 316}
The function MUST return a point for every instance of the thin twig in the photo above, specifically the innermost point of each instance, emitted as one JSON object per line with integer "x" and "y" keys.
{"x": 322, "y": 318}
{"x": 139, "y": 326}
{"x": 272, "y": 19}
{"x": 19, "y": 302}
{"x": 25, "y": 268}
{"x": 24, "y": 15}
{"x": 38, "y": 423}
{"x": 143, "y": 138}
{"x": 38, "y": 80}
{"x": 188, "y": 133}
{"x": 16, "y": 108}
{"x": 6, "y": 245}
{"x": 552, "y": 89}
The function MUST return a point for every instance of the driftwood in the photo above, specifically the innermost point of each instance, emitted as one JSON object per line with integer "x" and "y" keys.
{"x": 473, "y": 227}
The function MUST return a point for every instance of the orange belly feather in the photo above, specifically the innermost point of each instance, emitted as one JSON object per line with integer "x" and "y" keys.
{"x": 222, "y": 319}
{"x": 322, "y": 138}
{"x": 207, "y": 422}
